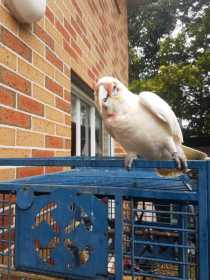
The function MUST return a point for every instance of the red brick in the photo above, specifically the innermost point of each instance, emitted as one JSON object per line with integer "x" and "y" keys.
{"x": 118, "y": 6}
{"x": 70, "y": 29}
{"x": 14, "y": 277}
{"x": 80, "y": 23}
{"x": 14, "y": 118}
{"x": 53, "y": 169}
{"x": 86, "y": 42}
{"x": 93, "y": 7}
{"x": 62, "y": 105}
{"x": 104, "y": 29}
{"x": 76, "y": 47}
{"x": 70, "y": 50}
{"x": 101, "y": 4}
{"x": 44, "y": 36}
{"x": 102, "y": 63}
{"x": 95, "y": 38}
{"x": 62, "y": 30}
{"x": 54, "y": 142}
{"x": 103, "y": 59}
{"x": 12, "y": 42}
{"x": 42, "y": 153}
{"x": 67, "y": 95}
{"x": 15, "y": 81}
{"x": 95, "y": 71}
{"x": 91, "y": 74}
{"x": 5, "y": 222}
{"x": 99, "y": 51}
{"x": 5, "y": 234}
{"x": 67, "y": 120}
{"x": 67, "y": 144}
{"x": 50, "y": 15}
{"x": 54, "y": 59}
{"x": 8, "y": 197}
{"x": 76, "y": 26}
{"x": 98, "y": 67}
{"x": 31, "y": 106}
{"x": 7, "y": 97}
{"x": 29, "y": 171}
{"x": 77, "y": 7}
{"x": 53, "y": 86}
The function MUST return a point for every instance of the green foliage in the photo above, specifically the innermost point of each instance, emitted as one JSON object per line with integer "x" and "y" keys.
{"x": 146, "y": 26}
{"x": 176, "y": 67}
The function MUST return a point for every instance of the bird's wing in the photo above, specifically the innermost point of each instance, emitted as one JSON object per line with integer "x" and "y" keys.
{"x": 158, "y": 107}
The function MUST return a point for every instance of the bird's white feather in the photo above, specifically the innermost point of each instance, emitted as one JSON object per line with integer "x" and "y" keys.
{"x": 144, "y": 125}
{"x": 163, "y": 111}
{"x": 102, "y": 94}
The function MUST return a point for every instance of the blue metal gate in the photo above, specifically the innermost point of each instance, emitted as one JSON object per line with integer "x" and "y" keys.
{"x": 99, "y": 221}
{"x": 58, "y": 228}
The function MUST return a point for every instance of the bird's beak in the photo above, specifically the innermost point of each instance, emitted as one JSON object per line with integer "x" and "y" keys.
{"x": 101, "y": 94}
{"x": 103, "y": 91}
{"x": 108, "y": 88}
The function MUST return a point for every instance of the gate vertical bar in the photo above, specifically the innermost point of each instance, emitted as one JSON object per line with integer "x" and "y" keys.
{"x": 132, "y": 238}
{"x": 118, "y": 237}
{"x": 10, "y": 217}
{"x": 203, "y": 221}
{"x": 183, "y": 271}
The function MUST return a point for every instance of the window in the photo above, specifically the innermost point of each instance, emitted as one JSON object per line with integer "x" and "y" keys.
{"x": 108, "y": 144}
{"x": 86, "y": 127}
{"x": 98, "y": 134}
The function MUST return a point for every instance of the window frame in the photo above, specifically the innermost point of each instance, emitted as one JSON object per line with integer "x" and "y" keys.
{"x": 79, "y": 96}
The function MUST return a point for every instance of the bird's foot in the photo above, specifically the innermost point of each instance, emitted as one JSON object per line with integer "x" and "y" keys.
{"x": 180, "y": 161}
{"x": 129, "y": 161}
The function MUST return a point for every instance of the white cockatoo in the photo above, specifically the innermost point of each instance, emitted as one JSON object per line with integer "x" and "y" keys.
{"x": 143, "y": 124}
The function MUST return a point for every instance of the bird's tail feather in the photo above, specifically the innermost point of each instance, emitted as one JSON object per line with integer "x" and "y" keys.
{"x": 193, "y": 154}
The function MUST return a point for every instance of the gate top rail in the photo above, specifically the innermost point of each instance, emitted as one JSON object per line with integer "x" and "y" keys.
{"x": 95, "y": 162}
{"x": 107, "y": 176}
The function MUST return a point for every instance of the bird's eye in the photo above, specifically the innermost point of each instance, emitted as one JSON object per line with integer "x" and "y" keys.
{"x": 115, "y": 91}
{"x": 105, "y": 99}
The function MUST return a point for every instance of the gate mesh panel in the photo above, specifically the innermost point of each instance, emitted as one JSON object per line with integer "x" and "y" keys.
{"x": 7, "y": 232}
{"x": 160, "y": 240}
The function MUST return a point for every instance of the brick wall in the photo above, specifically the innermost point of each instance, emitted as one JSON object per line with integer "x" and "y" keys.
{"x": 88, "y": 37}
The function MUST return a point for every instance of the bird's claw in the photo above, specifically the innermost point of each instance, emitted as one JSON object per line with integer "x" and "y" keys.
{"x": 180, "y": 161}
{"x": 129, "y": 161}
{"x": 128, "y": 164}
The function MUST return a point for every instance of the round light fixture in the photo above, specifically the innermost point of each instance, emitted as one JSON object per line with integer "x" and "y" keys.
{"x": 26, "y": 11}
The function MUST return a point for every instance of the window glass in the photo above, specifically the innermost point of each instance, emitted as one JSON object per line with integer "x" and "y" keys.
{"x": 73, "y": 108}
{"x": 73, "y": 125}
{"x": 85, "y": 129}
{"x": 107, "y": 144}
{"x": 98, "y": 135}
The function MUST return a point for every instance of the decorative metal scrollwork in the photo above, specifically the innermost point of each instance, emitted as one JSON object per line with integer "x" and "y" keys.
{"x": 67, "y": 234}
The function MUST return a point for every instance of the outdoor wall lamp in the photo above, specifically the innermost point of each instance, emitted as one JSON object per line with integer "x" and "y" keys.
{"x": 26, "y": 11}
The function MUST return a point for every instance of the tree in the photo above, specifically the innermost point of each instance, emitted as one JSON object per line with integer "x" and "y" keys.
{"x": 146, "y": 26}
{"x": 177, "y": 64}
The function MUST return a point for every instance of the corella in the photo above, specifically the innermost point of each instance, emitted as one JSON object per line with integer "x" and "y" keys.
{"x": 144, "y": 125}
